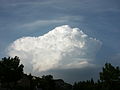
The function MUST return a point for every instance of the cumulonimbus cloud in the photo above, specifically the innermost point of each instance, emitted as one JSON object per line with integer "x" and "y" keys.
{"x": 62, "y": 47}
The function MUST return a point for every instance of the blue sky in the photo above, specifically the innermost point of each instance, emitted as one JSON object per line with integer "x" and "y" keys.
{"x": 97, "y": 18}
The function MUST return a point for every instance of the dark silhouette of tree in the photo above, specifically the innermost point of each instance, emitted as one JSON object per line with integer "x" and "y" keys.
{"x": 10, "y": 70}
{"x": 13, "y": 77}
{"x": 48, "y": 80}
{"x": 110, "y": 77}
{"x": 84, "y": 85}
{"x": 109, "y": 80}
{"x": 110, "y": 73}
{"x": 31, "y": 81}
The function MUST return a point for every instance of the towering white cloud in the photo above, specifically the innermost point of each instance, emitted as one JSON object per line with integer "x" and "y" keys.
{"x": 62, "y": 47}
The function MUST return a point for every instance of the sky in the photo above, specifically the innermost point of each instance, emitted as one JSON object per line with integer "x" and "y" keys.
{"x": 79, "y": 36}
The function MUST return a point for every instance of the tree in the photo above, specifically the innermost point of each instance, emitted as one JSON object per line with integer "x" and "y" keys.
{"x": 48, "y": 77}
{"x": 49, "y": 82}
{"x": 110, "y": 76}
{"x": 10, "y": 70}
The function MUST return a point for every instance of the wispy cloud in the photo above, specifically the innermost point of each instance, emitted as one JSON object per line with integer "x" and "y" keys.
{"x": 28, "y": 2}
{"x": 42, "y": 23}
{"x": 59, "y": 20}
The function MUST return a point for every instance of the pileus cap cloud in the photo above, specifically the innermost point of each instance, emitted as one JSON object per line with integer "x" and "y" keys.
{"x": 62, "y": 47}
